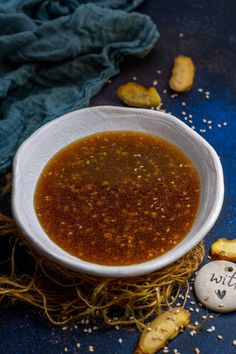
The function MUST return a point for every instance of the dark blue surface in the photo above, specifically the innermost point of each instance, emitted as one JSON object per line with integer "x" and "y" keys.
{"x": 209, "y": 29}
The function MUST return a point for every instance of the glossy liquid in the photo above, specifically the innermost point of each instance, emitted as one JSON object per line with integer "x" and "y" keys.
{"x": 118, "y": 198}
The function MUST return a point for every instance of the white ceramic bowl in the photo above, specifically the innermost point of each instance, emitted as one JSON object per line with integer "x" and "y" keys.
{"x": 35, "y": 152}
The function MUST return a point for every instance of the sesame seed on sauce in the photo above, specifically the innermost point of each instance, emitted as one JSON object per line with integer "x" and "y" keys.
{"x": 136, "y": 192}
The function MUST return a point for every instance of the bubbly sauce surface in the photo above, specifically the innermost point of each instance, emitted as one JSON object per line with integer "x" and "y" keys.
{"x": 118, "y": 198}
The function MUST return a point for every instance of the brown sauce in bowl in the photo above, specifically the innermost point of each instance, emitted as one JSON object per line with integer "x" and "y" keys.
{"x": 118, "y": 198}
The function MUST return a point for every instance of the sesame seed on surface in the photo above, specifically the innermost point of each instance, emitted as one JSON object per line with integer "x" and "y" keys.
{"x": 91, "y": 349}
{"x": 234, "y": 342}
{"x": 219, "y": 336}
{"x": 209, "y": 330}
{"x": 120, "y": 340}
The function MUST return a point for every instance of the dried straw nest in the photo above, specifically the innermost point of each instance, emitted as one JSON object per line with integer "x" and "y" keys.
{"x": 66, "y": 296}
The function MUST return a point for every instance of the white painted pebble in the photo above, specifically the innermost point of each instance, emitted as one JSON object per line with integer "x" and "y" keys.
{"x": 215, "y": 286}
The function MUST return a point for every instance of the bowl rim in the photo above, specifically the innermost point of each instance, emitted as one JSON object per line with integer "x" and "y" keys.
{"x": 71, "y": 262}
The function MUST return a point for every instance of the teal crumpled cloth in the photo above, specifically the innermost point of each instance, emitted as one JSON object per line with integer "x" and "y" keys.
{"x": 55, "y": 55}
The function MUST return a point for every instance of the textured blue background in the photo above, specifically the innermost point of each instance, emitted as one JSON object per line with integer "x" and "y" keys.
{"x": 209, "y": 29}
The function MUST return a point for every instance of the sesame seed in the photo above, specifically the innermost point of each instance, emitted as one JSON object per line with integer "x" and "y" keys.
{"x": 192, "y": 302}
{"x": 234, "y": 342}
{"x": 91, "y": 348}
{"x": 197, "y": 309}
{"x": 209, "y": 122}
{"x": 220, "y": 336}
{"x": 181, "y": 35}
{"x": 197, "y": 350}
{"x": 164, "y": 91}
{"x": 183, "y": 103}
{"x": 209, "y": 330}
{"x": 134, "y": 78}
{"x": 184, "y": 113}
{"x": 225, "y": 123}
{"x": 219, "y": 125}
{"x": 200, "y": 90}
{"x": 64, "y": 328}
{"x": 204, "y": 120}
{"x": 65, "y": 349}
{"x": 210, "y": 127}
{"x": 190, "y": 120}
{"x": 109, "y": 81}
{"x": 213, "y": 328}
{"x": 185, "y": 118}
{"x": 155, "y": 82}
{"x": 120, "y": 340}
